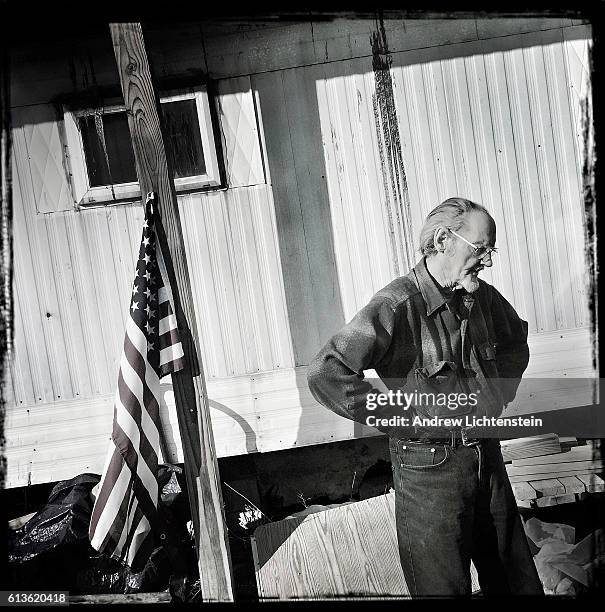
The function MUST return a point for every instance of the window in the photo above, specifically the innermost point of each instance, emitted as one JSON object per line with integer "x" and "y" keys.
{"x": 102, "y": 158}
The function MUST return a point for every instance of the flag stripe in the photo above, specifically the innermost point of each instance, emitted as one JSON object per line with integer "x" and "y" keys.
{"x": 117, "y": 532}
{"x": 109, "y": 485}
{"x": 128, "y": 400}
{"x": 167, "y": 323}
{"x": 144, "y": 496}
{"x": 140, "y": 468}
{"x": 141, "y": 379}
{"x": 163, "y": 295}
{"x": 170, "y": 354}
{"x": 169, "y": 338}
{"x": 164, "y": 309}
{"x": 112, "y": 518}
{"x": 135, "y": 515}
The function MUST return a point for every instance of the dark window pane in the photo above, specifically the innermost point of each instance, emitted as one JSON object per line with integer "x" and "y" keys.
{"x": 183, "y": 138}
{"x": 119, "y": 150}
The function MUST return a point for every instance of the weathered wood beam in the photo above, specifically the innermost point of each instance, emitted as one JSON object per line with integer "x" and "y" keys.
{"x": 189, "y": 385}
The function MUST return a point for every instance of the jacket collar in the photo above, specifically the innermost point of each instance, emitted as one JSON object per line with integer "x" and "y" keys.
{"x": 432, "y": 295}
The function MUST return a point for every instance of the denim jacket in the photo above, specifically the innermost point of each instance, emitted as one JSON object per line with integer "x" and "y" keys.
{"x": 409, "y": 332}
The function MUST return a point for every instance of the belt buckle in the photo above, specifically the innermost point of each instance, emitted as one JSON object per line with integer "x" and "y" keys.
{"x": 466, "y": 441}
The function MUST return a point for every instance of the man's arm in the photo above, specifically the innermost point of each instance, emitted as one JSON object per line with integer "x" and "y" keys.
{"x": 512, "y": 350}
{"x": 335, "y": 376}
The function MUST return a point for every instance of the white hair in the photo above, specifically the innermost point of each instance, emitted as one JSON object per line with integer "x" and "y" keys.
{"x": 450, "y": 214}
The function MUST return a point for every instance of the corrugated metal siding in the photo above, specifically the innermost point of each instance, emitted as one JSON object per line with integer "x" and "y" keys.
{"x": 231, "y": 243}
{"x": 73, "y": 270}
{"x": 364, "y": 253}
{"x": 520, "y": 141}
{"x": 495, "y": 121}
{"x": 262, "y": 412}
{"x": 73, "y": 274}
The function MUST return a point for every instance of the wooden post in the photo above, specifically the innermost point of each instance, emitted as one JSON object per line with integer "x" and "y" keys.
{"x": 189, "y": 386}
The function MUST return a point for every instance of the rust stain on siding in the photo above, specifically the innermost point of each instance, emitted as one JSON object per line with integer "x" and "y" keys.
{"x": 391, "y": 158}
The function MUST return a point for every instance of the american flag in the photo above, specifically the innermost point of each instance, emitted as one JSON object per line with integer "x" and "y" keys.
{"x": 126, "y": 505}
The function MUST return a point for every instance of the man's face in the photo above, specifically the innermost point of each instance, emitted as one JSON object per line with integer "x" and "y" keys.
{"x": 463, "y": 265}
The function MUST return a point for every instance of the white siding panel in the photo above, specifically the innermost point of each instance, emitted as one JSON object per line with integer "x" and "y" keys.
{"x": 495, "y": 123}
{"x": 262, "y": 412}
{"x": 439, "y": 131}
{"x": 231, "y": 243}
{"x": 78, "y": 268}
{"x": 29, "y": 369}
{"x": 237, "y": 116}
{"x": 560, "y": 354}
{"x": 67, "y": 346}
{"x": 273, "y": 327}
{"x": 33, "y": 274}
{"x": 51, "y": 190}
{"x": 542, "y": 121}
{"x": 364, "y": 255}
{"x": 462, "y": 136}
{"x": 410, "y": 98}
{"x": 542, "y": 317}
{"x": 509, "y": 280}
{"x": 570, "y": 186}
{"x": 20, "y": 376}
{"x": 203, "y": 291}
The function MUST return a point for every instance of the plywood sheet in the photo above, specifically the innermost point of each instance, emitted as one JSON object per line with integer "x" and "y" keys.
{"x": 348, "y": 551}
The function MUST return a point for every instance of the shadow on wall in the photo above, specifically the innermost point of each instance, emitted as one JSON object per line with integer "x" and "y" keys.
{"x": 170, "y": 431}
{"x": 250, "y": 434}
{"x": 299, "y": 146}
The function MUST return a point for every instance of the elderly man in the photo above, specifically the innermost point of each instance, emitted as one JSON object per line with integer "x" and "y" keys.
{"x": 440, "y": 326}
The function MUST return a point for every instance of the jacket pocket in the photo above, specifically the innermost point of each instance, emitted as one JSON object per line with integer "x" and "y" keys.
{"x": 486, "y": 352}
{"x": 440, "y": 391}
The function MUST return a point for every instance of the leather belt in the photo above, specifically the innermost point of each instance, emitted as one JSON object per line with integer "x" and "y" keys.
{"x": 454, "y": 438}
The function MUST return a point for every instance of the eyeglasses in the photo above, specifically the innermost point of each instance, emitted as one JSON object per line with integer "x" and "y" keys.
{"x": 478, "y": 251}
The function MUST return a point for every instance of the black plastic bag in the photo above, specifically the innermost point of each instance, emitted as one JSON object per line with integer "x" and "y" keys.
{"x": 106, "y": 575}
{"x": 52, "y": 550}
{"x": 46, "y": 552}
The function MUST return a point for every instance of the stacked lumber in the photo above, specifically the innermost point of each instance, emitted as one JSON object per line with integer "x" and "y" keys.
{"x": 553, "y": 478}
{"x": 518, "y": 448}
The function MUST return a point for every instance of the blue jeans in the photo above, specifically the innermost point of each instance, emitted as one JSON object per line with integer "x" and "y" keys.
{"x": 454, "y": 504}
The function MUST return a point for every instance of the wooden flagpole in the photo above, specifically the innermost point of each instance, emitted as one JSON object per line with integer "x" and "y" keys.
{"x": 189, "y": 385}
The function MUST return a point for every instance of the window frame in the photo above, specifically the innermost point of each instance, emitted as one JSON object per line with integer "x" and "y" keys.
{"x": 85, "y": 194}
